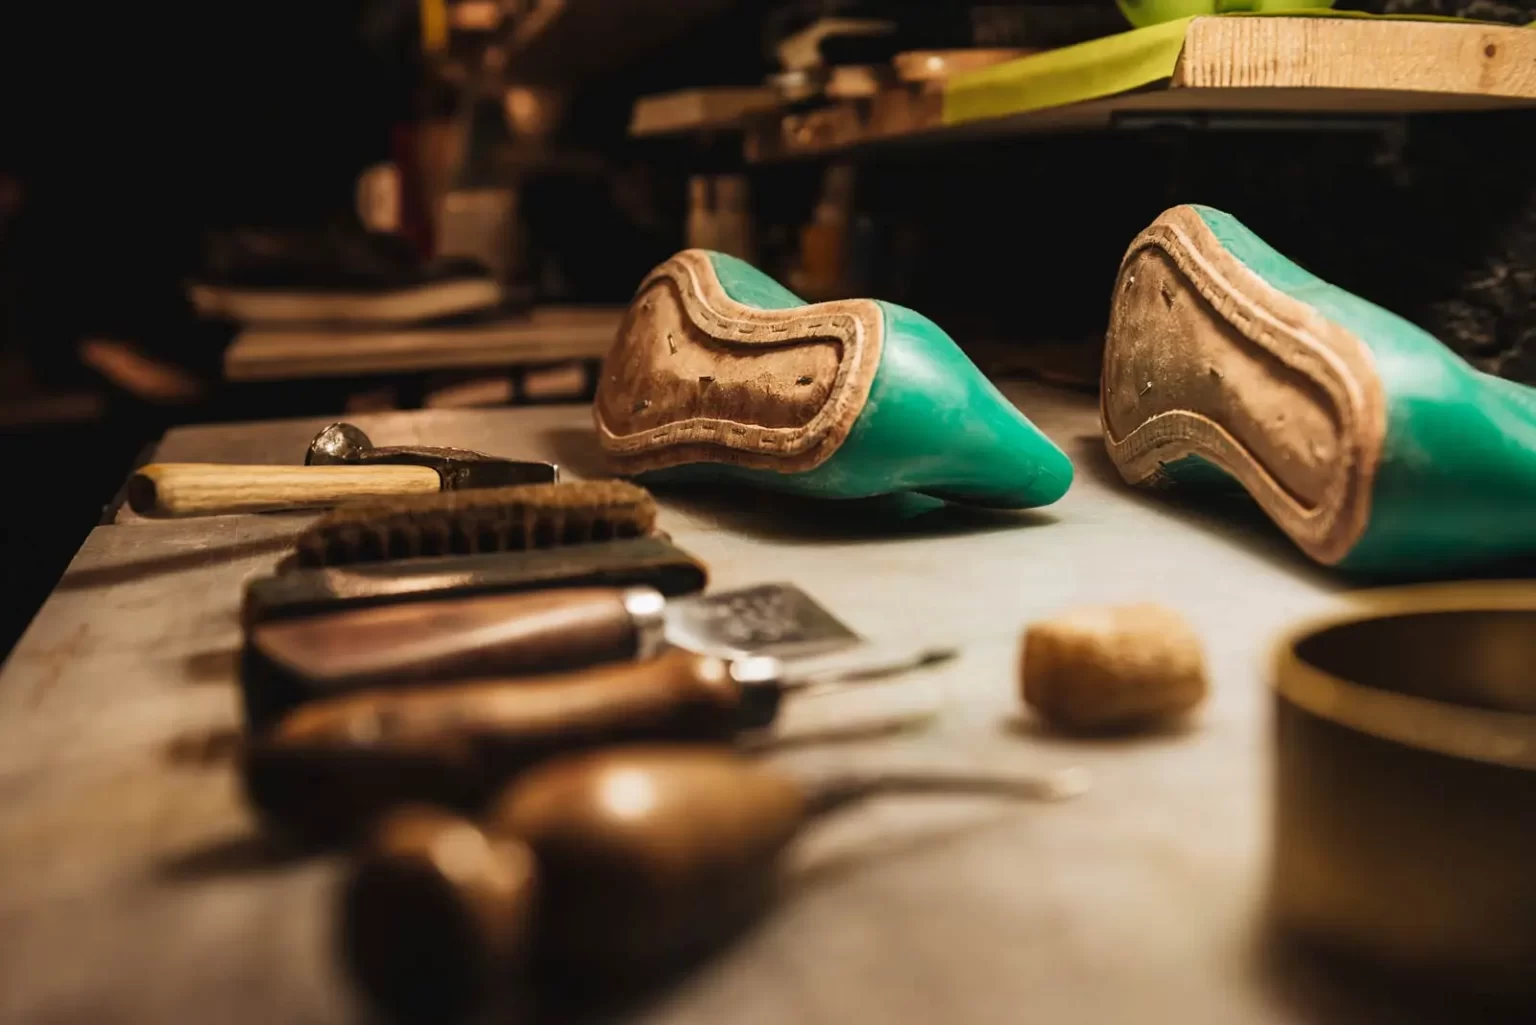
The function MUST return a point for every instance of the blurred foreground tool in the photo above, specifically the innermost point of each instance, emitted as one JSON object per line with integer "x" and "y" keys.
{"x": 333, "y": 767}
{"x": 635, "y": 858}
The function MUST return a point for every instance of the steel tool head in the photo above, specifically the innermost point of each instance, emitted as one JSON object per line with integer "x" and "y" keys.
{"x": 343, "y": 443}
{"x": 768, "y": 619}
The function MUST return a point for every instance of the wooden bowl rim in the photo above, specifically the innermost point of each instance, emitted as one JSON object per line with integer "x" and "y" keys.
{"x": 1459, "y": 731}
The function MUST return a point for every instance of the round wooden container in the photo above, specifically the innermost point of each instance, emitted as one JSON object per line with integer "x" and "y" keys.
{"x": 1406, "y": 785}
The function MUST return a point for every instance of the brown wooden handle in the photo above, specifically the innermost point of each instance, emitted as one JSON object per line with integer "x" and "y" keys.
{"x": 210, "y": 489}
{"x": 485, "y": 635}
{"x": 333, "y": 765}
{"x": 532, "y": 708}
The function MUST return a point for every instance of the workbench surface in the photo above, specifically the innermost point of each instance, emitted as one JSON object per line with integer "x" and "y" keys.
{"x": 134, "y": 889}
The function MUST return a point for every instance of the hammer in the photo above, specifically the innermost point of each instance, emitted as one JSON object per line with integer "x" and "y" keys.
{"x": 341, "y": 465}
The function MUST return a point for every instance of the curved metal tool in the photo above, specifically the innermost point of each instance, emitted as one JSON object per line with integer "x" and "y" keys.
{"x": 346, "y": 444}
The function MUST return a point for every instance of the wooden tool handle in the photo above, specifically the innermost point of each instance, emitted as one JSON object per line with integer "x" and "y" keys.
{"x": 616, "y": 698}
{"x": 391, "y": 645}
{"x": 209, "y": 489}
{"x": 331, "y": 767}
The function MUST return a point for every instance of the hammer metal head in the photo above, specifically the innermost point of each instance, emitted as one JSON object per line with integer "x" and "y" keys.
{"x": 343, "y": 443}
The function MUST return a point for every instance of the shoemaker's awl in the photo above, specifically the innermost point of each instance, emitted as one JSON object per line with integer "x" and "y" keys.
{"x": 335, "y": 765}
{"x": 342, "y": 465}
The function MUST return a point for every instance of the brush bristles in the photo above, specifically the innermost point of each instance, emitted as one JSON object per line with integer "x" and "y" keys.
{"x": 476, "y": 521}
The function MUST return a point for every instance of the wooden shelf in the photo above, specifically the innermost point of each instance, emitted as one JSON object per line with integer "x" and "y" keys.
{"x": 700, "y": 110}
{"x": 55, "y": 409}
{"x": 548, "y": 335}
{"x": 1319, "y": 66}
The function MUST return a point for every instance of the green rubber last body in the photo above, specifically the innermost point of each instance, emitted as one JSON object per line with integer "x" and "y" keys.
{"x": 1454, "y": 485}
{"x": 932, "y": 423}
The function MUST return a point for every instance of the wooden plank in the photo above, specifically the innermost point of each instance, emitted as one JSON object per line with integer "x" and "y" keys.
{"x": 891, "y": 115}
{"x": 133, "y": 890}
{"x": 1270, "y": 66}
{"x": 933, "y": 66}
{"x": 549, "y": 335}
{"x": 70, "y": 407}
{"x": 726, "y": 107}
{"x": 1404, "y": 57}
{"x": 900, "y": 119}
{"x": 693, "y": 110}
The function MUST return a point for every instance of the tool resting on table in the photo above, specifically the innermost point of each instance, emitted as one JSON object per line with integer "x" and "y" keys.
{"x": 615, "y": 865}
{"x": 330, "y": 767}
{"x": 290, "y": 661}
{"x": 341, "y": 465}
{"x": 623, "y": 562}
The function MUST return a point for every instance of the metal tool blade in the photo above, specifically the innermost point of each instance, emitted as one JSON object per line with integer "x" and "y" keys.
{"x": 346, "y": 444}
{"x": 778, "y": 620}
{"x": 871, "y": 663}
{"x": 765, "y": 680}
{"x": 496, "y": 474}
{"x": 625, "y": 562}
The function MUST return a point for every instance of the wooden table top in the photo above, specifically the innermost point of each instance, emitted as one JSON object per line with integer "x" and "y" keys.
{"x": 133, "y": 888}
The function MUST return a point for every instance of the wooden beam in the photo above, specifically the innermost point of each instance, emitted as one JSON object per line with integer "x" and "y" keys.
{"x": 548, "y": 335}
{"x": 1406, "y": 57}
{"x": 693, "y": 110}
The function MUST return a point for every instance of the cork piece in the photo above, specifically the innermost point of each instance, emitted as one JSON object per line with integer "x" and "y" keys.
{"x": 695, "y": 376}
{"x": 1205, "y": 358}
{"x": 1110, "y": 668}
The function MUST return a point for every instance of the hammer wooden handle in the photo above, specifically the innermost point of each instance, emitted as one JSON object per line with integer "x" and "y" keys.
{"x": 209, "y": 489}
{"x": 293, "y": 661}
{"x": 332, "y": 766}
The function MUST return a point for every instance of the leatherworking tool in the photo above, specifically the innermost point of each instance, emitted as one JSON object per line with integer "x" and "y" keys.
{"x": 341, "y": 465}
{"x": 653, "y": 561}
{"x": 335, "y": 765}
{"x": 291, "y": 661}
{"x": 635, "y": 857}
{"x": 476, "y": 520}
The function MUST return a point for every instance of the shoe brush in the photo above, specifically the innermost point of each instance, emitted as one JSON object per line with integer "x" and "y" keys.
{"x": 472, "y": 522}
